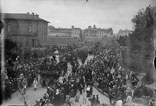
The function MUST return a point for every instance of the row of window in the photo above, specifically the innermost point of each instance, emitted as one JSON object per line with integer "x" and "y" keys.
{"x": 29, "y": 28}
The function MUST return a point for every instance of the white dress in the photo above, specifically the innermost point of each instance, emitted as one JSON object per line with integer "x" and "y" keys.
{"x": 119, "y": 103}
{"x": 129, "y": 99}
{"x": 35, "y": 83}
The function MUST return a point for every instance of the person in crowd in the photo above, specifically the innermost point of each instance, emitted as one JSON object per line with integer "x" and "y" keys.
{"x": 84, "y": 97}
{"x": 97, "y": 99}
{"x": 77, "y": 97}
{"x": 67, "y": 101}
{"x": 152, "y": 102}
{"x": 24, "y": 85}
{"x": 88, "y": 91}
{"x": 35, "y": 82}
{"x": 105, "y": 69}
{"x": 72, "y": 101}
{"x": 37, "y": 102}
{"x": 129, "y": 99}
{"x": 25, "y": 103}
{"x": 93, "y": 101}
{"x": 119, "y": 102}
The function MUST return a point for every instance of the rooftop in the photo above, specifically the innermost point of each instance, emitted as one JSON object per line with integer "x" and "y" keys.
{"x": 23, "y": 16}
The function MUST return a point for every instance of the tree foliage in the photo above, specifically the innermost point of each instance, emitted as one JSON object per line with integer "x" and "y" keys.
{"x": 143, "y": 19}
{"x": 123, "y": 40}
{"x": 10, "y": 49}
{"x": 141, "y": 41}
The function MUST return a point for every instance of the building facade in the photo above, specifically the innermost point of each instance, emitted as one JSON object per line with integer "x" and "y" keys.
{"x": 63, "y": 36}
{"x": 64, "y": 32}
{"x": 97, "y": 32}
{"x": 76, "y": 32}
{"x": 27, "y": 30}
{"x": 104, "y": 32}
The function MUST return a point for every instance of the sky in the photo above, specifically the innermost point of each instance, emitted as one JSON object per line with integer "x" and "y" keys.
{"x": 116, "y": 14}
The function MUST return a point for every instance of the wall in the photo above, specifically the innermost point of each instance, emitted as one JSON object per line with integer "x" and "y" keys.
{"x": 20, "y": 34}
{"x": 13, "y": 26}
{"x": 42, "y": 32}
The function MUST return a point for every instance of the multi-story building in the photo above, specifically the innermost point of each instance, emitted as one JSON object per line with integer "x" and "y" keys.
{"x": 59, "y": 32}
{"x": 63, "y": 36}
{"x": 76, "y": 32}
{"x": 97, "y": 32}
{"x": 27, "y": 30}
{"x": 90, "y": 32}
{"x": 64, "y": 32}
{"x": 104, "y": 32}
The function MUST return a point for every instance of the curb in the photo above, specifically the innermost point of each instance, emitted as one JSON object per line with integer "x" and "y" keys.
{"x": 103, "y": 93}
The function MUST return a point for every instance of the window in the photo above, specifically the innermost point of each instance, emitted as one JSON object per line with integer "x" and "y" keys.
{"x": 33, "y": 42}
{"x": 29, "y": 28}
{"x": 9, "y": 28}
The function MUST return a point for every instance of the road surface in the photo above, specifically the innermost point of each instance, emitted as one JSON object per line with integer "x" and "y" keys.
{"x": 31, "y": 96}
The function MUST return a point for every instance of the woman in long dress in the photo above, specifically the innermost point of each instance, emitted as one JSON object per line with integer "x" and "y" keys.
{"x": 84, "y": 97}
{"x": 35, "y": 84}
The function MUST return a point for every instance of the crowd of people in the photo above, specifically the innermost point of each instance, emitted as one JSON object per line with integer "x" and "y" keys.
{"x": 27, "y": 67}
{"x": 74, "y": 79}
{"x": 70, "y": 84}
{"x": 110, "y": 76}
{"x": 104, "y": 69}
{"x": 30, "y": 66}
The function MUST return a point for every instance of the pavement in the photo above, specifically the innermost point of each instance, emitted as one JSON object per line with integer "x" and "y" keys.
{"x": 31, "y": 96}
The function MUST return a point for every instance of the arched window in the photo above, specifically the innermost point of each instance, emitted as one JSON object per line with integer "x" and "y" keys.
{"x": 29, "y": 28}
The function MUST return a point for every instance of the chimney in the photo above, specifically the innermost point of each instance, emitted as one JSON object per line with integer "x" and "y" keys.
{"x": 94, "y": 26}
{"x": 37, "y": 15}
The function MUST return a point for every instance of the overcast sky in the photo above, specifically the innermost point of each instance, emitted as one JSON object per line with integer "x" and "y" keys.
{"x": 116, "y": 14}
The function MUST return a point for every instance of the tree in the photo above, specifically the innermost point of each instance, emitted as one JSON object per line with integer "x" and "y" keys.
{"x": 141, "y": 41}
{"x": 143, "y": 19}
{"x": 123, "y": 40}
{"x": 10, "y": 49}
{"x": 1, "y": 25}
